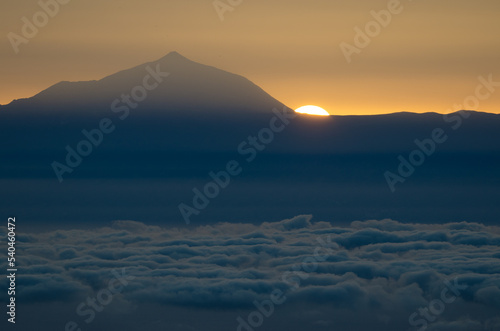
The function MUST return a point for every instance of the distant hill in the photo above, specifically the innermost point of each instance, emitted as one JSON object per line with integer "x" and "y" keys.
{"x": 189, "y": 87}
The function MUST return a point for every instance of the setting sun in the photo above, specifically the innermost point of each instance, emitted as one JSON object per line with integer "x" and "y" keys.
{"x": 312, "y": 110}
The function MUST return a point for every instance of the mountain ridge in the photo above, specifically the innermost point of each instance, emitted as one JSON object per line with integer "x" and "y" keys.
{"x": 192, "y": 86}
{"x": 82, "y": 94}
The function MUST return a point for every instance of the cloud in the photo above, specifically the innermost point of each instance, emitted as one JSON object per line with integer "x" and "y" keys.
{"x": 383, "y": 268}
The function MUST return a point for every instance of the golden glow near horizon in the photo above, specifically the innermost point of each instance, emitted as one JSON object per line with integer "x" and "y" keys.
{"x": 420, "y": 57}
{"x": 312, "y": 110}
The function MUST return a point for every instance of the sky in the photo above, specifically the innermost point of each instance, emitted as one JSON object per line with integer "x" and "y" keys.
{"x": 427, "y": 58}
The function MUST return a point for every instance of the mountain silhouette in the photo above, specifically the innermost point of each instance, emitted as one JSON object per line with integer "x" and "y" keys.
{"x": 180, "y": 85}
{"x": 199, "y": 118}
{"x": 187, "y": 106}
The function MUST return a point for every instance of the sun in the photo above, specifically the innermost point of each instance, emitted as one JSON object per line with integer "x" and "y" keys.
{"x": 312, "y": 110}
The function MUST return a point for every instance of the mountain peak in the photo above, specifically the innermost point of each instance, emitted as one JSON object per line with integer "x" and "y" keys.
{"x": 174, "y": 53}
{"x": 174, "y": 56}
{"x": 190, "y": 87}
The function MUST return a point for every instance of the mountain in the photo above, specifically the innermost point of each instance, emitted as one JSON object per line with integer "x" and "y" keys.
{"x": 58, "y": 161}
{"x": 170, "y": 84}
{"x": 334, "y": 168}
{"x": 177, "y": 105}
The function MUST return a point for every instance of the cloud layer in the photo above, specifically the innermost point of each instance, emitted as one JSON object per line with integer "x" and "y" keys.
{"x": 384, "y": 270}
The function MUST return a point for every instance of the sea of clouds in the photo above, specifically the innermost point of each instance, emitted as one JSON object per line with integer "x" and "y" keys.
{"x": 372, "y": 274}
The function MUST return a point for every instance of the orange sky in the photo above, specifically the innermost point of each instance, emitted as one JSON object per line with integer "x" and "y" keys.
{"x": 428, "y": 57}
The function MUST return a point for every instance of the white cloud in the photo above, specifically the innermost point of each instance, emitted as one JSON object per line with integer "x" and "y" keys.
{"x": 384, "y": 267}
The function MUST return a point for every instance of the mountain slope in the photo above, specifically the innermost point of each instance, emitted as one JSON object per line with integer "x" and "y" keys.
{"x": 189, "y": 87}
